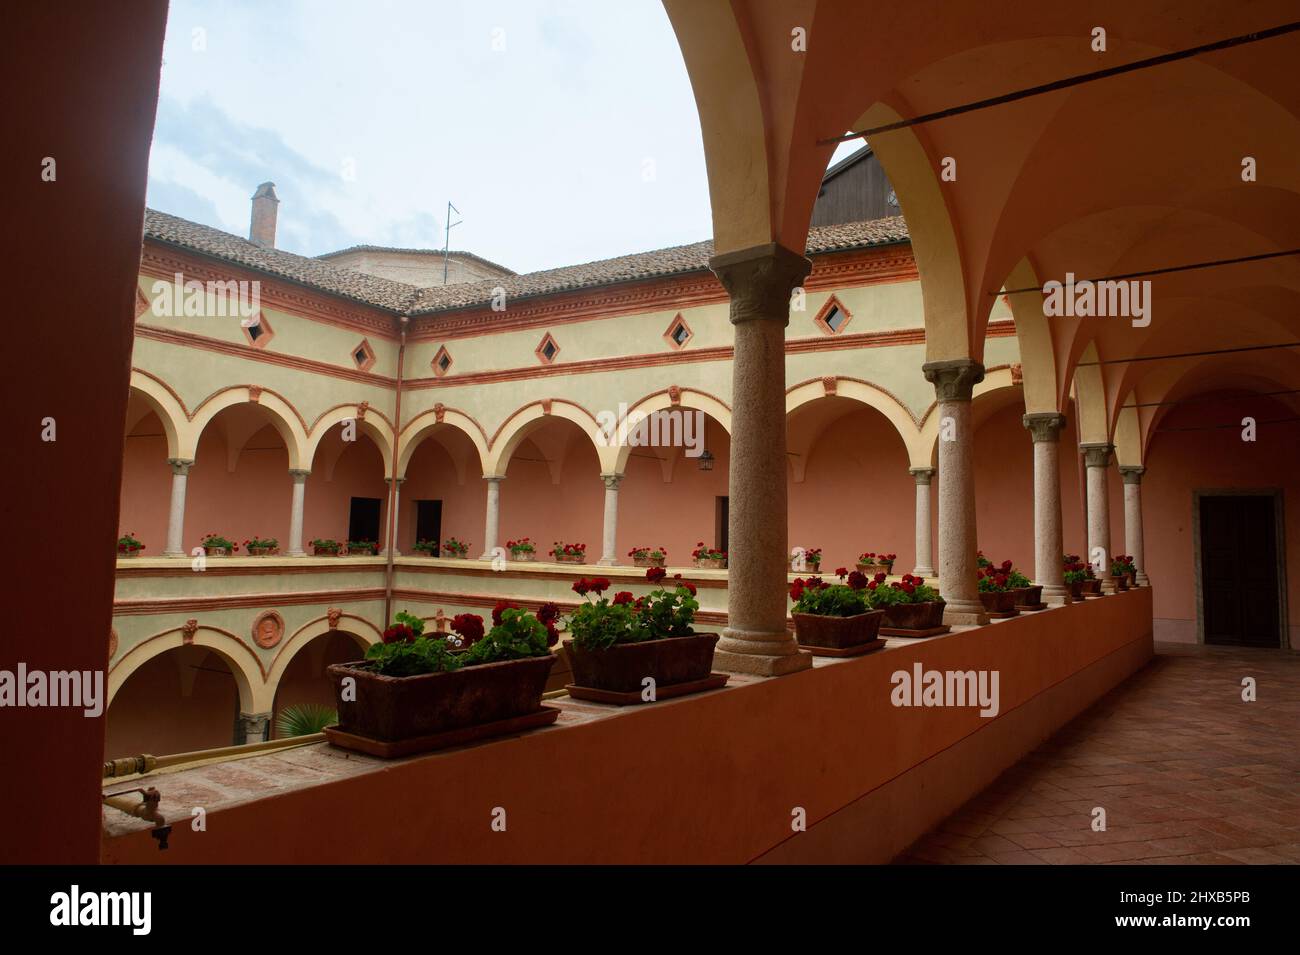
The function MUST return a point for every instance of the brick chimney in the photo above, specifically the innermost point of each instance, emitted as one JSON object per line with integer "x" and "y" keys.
{"x": 261, "y": 230}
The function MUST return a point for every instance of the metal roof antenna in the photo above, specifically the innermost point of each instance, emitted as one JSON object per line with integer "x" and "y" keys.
{"x": 446, "y": 243}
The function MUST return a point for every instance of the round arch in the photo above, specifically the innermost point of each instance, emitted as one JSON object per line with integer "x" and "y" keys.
{"x": 283, "y": 417}
{"x": 529, "y": 418}
{"x": 862, "y": 392}
{"x": 378, "y": 431}
{"x": 363, "y": 630}
{"x": 687, "y": 399}
{"x": 164, "y": 403}
{"x": 426, "y": 422}
{"x": 242, "y": 661}
{"x": 926, "y": 449}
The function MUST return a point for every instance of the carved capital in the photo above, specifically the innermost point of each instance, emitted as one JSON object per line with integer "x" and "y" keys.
{"x": 954, "y": 379}
{"x": 612, "y": 481}
{"x": 180, "y": 465}
{"x": 1044, "y": 425}
{"x": 494, "y": 478}
{"x": 1097, "y": 454}
{"x": 299, "y": 474}
{"x": 922, "y": 475}
{"x": 1132, "y": 473}
{"x": 759, "y": 281}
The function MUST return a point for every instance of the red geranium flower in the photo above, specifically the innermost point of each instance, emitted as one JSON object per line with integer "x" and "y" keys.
{"x": 623, "y": 597}
{"x": 857, "y": 580}
{"x": 552, "y": 635}
{"x": 548, "y": 613}
{"x": 502, "y": 605}
{"x": 655, "y": 574}
{"x": 841, "y": 572}
{"x": 599, "y": 584}
{"x": 581, "y": 586}
{"x": 399, "y": 633}
{"x": 796, "y": 589}
{"x": 468, "y": 625}
{"x": 689, "y": 586}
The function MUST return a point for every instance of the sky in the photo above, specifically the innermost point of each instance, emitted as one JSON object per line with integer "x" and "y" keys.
{"x": 563, "y": 131}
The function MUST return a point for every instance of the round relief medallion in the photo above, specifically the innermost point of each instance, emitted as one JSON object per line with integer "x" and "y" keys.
{"x": 268, "y": 628}
{"x": 112, "y": 643}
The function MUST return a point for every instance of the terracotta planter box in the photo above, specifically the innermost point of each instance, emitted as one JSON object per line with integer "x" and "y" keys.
{"x": 128, "y": 553}
{"x": 917, "y": 616}
{"x": 262, "y": 551}
{"x": 999, "y": 601}
{"x": 712, "y": 563}
{"x": 570, "y": 558}
{"x": 363, "y": 552}
{"x": 217, "y": 551}
{"x": 1092, "y": 587}
{"x": 1075, "y": 589}
{"x": 1133, "y": 578}
{"x": 323, "y": 552}
{"x": 649, "y": 561}
{"x": 837, "y": 633}
{"x": 872, "y": 569}
{"x": 1120, "y": 581}
{"x": 1031, "y": 596}
{"x": 404, "y": 707}
{"x": 622, "y": 667}
{"x": 523, "y": 555}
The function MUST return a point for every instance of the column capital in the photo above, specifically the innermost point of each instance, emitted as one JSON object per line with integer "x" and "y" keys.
{"x": 759, "y": 281}
{"x": 299, "y": 473}
{"x": 1096, "y": 454}
{"x": 922, "y": 475}
{"x": 954, "y": 379}
{"x": 494, "y": 478}
{"x": 400, "y": 481}
{"x": 180, "y": 465}
{"x": 611, "y": 481}
{"x": 1132, "y": 473}
{"x": 1044, "y": 425}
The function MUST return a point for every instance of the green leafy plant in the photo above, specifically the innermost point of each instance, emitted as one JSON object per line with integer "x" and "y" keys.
{"x": 561, "y": 549}
{"x": 816, "y": 596}
{"x": 127, "y": 545}
{"x": 648, "y": 553}
{"x": 261, "y": 544}
{"x": 1019, "y": 580}
{"x": 427, "y": 547}
{"x": 326, "y": 544}
{"x": 524, "y": 545}
{"x": 1076, "y": 571}
{"x": 599, "y": 622}
{"x": 519, "y": 634}
{"x": 304, "y": 719}
{"x": 213, "y": 542}
{"x": 362, "y": 547}
{"x": 667, "y": 613}
{"x": 406, "y": 651}
{"x": 704, "y": 552}
{"x": 454, "y": 547}
{"x": 909, "y": 590}
{"x": 1122, "y": 564}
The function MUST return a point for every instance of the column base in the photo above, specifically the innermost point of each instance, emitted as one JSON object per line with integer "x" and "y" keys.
{"x": 1108, "y": 586}
{"x": 760, "y": 654}
{"x": 296, "y": 553}
{"x": 1143, "y": 580}
{"x": 965, "y": 613}
{"x": 175, "y": 553}
{"x": 924, "y": 572}
{"x": 1056, "y": 596}
{"x": 607, "y": 562}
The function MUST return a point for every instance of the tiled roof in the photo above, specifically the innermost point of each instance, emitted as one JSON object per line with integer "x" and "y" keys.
{"x": 643, "y": 265}
{"x": 407, "y": 299}
{"x": 369, "y": 289}
{"x": 433, "y": 252}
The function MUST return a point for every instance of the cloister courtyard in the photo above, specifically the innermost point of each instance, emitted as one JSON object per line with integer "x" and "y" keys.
{"x": 865, "y": 383}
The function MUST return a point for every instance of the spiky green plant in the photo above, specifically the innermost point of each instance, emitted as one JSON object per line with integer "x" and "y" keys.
{"x": 303, "y": 719}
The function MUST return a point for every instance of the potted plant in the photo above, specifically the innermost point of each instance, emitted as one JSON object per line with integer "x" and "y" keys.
{"x": 522, "y": 549}
{"x": 129, "y": 546}
{"x": 363, "y": 548}
{"x": 709, "y": 557}
{"x": 648, "y": 556}
{"x": 261, "y": 546}
{"x": 454, "y": 548}
{"x": 1030, "y": 594}
{"x": 806, "y": 558}
{"x": 618, "y": 643}
{"x": 835, "y": 617}
{"x": 996, "y": 592}
{"x": 413, "y": 693}
{"x": 1075, "y": 575}
{"x": 325, "y": 547}
{"x": 214, "y": 545}
{"x": 872, "y": 563}
{"x": 1123, "y": 571}
{"x": 911, "y": 606}
{"x": 569, "y": 553}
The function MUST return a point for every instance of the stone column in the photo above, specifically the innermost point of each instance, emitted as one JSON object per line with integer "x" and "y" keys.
{"x": 1045, "y": 429}
{"x": 759, "y": 281}
{"x": 295, "y": 514}
{"x": 490, "y": 530}
{"x": 1132, "y": 475}
{"x": 954, "y": 381}
{"x": 255, "y": 727}
{"x": 176, "y": 513}
{"x": 924, "y": 559}
{"x": 1096, "y": 457}
{"x": 394, "y": 522}
{"x": 608, "y": 558}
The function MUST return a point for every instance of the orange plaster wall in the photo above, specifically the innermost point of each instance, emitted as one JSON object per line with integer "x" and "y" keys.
{"x": 1179, "y": 463}
{"x": 707, "y": 779}
{"x": 431, "y": 475}
{"x": 571, "y": 511}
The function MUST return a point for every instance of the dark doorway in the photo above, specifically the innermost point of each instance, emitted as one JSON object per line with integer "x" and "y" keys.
{"x": 723, "y": 515}
{"x": 363, "y": 519}
{"x": 428, "y": 524}
{"x": 1239, "y": 570}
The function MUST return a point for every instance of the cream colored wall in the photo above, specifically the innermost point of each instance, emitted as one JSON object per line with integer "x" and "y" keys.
{"x": 419, "y": 269}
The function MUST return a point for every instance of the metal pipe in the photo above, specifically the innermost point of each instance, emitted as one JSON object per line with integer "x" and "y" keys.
{"x": 392, "y": 486}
